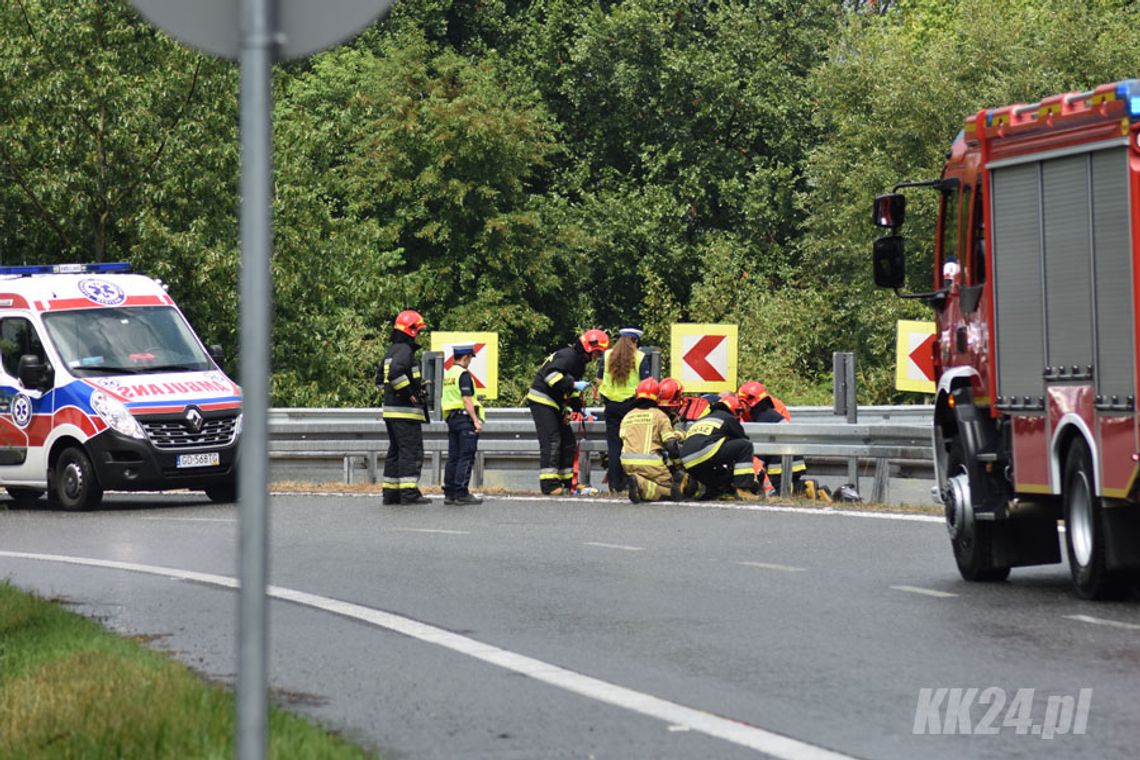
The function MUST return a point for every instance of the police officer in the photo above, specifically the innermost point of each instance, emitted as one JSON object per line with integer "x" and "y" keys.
{"x": 620, "y": 370}
{"x": 551, "y": 397}
{"x": 717, "y": 453}
{"x": 464, "y": 416}
{"x": 399, "y": 376}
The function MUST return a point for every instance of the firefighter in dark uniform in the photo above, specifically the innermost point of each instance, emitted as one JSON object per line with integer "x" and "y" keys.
{"x": 717, "y": 454}
{"x": 464, "y": 416}
{"x": 404, "y": 417}
{"x": 761, "y": 406}
{"x": 552, "y": 395}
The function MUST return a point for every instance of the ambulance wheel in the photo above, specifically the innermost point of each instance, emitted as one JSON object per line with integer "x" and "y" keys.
{"x": 222, "y": 494}
{"x": 74, "y": 486}
{"x": 1084, "y": 530}
{"x": 971, "y": 539}
{"x": 24, "y": 495}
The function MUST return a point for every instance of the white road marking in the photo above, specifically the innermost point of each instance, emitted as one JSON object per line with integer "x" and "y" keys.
{"x": 674, "y": 714}
{"x": 433, "y": 530}
{"x": 194, "y": 519}
{"x": 1102, "y": 621}
{"x": 745, "y": 506}
{"x": 623, "y": 547}
{"x": 924, "y": 591}
{"x": 678, "y": 728}
{"x": 773, "y": 566}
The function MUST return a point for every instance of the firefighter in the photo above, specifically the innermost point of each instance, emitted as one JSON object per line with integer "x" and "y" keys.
{"x": 717, "y": 454}
{"x": 404, "y": 416}
{"x": 649, "y": 444}
{"x": 464, "y": 416}
{"x": 620, "y": 370}
{"x": 552, "y": 395}
{"x": 761, "y": 406}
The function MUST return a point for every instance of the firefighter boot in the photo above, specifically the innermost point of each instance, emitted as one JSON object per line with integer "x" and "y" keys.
{"x": 634, "y": 490}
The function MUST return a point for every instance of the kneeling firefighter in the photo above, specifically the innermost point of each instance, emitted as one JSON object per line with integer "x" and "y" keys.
{"x": 717, "y": 453}
{"x": 761, "y": 406}
{"x": 648, "y": 445}
{"x": 552, "y": 396}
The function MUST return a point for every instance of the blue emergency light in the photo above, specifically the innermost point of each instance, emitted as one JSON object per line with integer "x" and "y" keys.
{"x": 116, "y": 267}
{"x": 1129, "y": 92}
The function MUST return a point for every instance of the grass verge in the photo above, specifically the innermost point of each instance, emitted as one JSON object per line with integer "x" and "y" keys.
{"x": 70, "y": 689}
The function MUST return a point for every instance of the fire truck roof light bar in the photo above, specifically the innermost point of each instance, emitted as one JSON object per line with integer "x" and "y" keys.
{"x": 27, "y": 270}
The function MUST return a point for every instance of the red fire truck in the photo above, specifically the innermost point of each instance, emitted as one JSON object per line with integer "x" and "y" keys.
{"x": 1037, "y": 270}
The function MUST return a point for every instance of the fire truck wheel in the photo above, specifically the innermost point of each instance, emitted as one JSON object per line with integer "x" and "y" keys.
{"x": 73, "y": 483}
{"x": 1084, "y": 530}
{"x": 971, "y": 539}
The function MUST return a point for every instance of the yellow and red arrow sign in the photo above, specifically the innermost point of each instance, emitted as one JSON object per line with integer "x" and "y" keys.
{"x": 484, "y": 367}
{"x": 914, "y": 356}
{"x": 704, "y": 357}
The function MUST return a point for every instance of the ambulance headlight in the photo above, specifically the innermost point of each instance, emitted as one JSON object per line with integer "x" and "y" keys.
{"x": 115, "y": 414}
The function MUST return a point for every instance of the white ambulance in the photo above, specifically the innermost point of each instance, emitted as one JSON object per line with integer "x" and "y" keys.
{"x": 104, "y": 386}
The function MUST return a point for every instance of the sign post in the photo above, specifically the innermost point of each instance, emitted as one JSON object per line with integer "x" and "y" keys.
{"x": 257, "y": 32}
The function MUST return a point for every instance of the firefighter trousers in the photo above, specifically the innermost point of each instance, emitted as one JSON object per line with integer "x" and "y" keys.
{"x": 654, "y": 481}
{"x": 556, "y": 448}
{"x": 730, "y": 468}
{"x": 404, "y": 461}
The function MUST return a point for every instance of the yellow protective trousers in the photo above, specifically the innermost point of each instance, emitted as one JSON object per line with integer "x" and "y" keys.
{"x": 653, "y": 480}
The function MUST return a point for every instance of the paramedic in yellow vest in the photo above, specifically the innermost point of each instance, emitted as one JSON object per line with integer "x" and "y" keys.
{"x": 620, "y": 370}
{"x": 464, "y": 416}
{"x": 648, "y": 444}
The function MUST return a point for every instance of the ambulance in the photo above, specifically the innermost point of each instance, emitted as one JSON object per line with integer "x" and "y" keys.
{"x": 105, "y": 386}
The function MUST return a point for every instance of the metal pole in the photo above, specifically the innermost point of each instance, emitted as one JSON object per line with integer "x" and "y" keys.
{"x": 256, "y": 308}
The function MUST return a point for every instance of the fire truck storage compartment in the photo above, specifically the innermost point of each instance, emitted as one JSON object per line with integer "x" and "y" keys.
{"x": 1062, "y": 274}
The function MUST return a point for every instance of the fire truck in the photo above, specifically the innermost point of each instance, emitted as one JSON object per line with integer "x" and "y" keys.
{"x": 1034, "y": 293}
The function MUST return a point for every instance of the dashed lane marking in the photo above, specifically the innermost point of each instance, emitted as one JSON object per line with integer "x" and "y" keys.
{"x": 433, "y": 530}
{"x": 193, "y": 519}
{"x": 773, "y": 566}
{"x": 924, "y": 591}
{"x": 622, "y": 547}
{"x": 673, "y": 714}
{"x": 1102, "y": 621}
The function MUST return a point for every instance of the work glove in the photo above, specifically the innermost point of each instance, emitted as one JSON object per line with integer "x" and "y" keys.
{"x": 581, "y": 385}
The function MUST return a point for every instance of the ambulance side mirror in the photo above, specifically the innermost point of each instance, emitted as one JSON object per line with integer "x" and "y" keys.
{"x": 33, "y": 373}
{"x": 216, "y": 353}
{"x": 889, "y": 261}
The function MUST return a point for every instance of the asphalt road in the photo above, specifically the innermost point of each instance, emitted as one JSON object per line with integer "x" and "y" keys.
{"x": 582, "y": 628}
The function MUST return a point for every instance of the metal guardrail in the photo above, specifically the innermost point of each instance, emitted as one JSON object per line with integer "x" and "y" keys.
{"x": 885, "y": 436}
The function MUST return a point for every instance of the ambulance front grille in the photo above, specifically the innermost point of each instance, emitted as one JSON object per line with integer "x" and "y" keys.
{"x": 176, "y": 434}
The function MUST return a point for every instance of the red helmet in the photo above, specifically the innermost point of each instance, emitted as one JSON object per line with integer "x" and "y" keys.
{"x": 648, "y": 388}
{"x": 409, "y": 322}
{"x": 752, "y": 393}
{"x": 594, "y": 340}
{"x": 730, "y": 400}
{"x": 669, "y": 393}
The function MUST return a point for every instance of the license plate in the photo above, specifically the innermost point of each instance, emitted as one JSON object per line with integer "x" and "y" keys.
{"x": 199, "y": 460}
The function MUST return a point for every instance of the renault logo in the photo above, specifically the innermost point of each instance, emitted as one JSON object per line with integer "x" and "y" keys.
{"x": 193, "y": 419}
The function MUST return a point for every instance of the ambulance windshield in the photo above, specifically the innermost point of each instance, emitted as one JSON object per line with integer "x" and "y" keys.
{"x": 134, "y": 340}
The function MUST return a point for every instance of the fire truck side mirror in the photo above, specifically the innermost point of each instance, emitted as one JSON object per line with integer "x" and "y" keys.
{"x": 889, "y": 262}
{"x": 890, "y": 210}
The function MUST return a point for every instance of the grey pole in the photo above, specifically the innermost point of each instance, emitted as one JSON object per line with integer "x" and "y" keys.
{"x": 256, "y": 308}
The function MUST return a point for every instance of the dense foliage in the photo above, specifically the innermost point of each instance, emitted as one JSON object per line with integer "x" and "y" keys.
{"x": 531, "y": 167}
